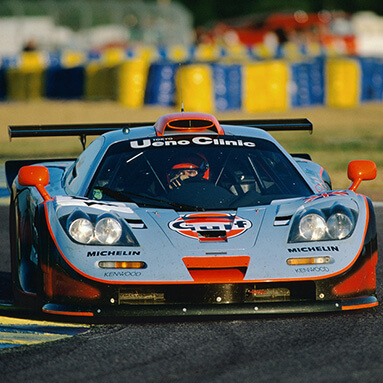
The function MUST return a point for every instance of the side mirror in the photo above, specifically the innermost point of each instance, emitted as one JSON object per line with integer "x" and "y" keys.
{"x": 359, "y": 171}
{"x": 37, "y": 176}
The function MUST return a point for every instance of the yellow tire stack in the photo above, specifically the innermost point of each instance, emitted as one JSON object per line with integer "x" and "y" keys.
{"x": 102, "y": 76}
{"x": 27, "y": 80}
{"x": 265, "y": 86}
{"x": 195, "y": 88}
{"x": 343, "y": 82}
{"x": 132, "y": 82}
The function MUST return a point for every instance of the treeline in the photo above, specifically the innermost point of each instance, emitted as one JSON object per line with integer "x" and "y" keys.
{"x": 205, "y": 11}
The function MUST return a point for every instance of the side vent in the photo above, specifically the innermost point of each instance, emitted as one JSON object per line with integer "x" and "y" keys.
{"x": 282, "y": 220}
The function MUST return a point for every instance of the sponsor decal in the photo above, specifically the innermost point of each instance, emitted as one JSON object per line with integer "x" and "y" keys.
{"x": 319, "y": 188}
{"x": 122, "y": 274}
{"x": 191, "y": 224}
{"x": 313, "y": 269}
{"x": 204, "y": 141}
{"x": 108, "y": 253}
{"x": 97, "y": 194}
{"x": 309, "y": 249}
{"x": 326, "y": 195}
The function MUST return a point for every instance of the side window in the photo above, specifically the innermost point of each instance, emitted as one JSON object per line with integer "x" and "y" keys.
{"x": 276, "y": 174}
{"x": 77, "y": 173}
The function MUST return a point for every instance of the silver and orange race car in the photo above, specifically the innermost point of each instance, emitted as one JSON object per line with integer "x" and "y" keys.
{"x": 187, "y": 216}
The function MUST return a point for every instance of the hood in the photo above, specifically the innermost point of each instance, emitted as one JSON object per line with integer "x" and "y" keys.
{"x": 205, "y": 230}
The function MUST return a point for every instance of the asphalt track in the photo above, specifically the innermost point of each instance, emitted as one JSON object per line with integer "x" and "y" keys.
{"x": 337, "y": 347}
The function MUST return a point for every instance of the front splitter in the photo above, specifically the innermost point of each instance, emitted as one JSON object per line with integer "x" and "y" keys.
{"x": 94, "y": 314}
{"x": 222, "y": 309}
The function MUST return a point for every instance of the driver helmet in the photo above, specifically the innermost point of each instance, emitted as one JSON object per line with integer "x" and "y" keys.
{"x": 190, "y": 166}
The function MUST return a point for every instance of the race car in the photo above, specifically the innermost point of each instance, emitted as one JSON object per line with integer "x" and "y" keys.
{"x": 188, "y": 216}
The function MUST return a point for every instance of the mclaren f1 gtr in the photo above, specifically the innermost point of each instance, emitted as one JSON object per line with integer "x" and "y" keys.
{"x": 188, "y": 216}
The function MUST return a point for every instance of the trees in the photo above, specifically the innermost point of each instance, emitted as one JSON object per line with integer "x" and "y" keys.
{"x": 209, "y": 11}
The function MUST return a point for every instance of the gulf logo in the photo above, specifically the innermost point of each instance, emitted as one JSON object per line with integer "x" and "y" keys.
{"x": 195, "y": 224}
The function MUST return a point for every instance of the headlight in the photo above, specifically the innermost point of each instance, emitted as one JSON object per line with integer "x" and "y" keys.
{"x": 329, "y": 224}
{"x": 81, "y": 229}
{"x": 312, "y": 227}
{"x": 339, "y": 225}
{"x": 108, "y": 231}
{"x": 104, "y": 229}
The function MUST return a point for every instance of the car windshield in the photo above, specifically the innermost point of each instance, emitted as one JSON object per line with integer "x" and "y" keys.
{"x": 196, "y": 173}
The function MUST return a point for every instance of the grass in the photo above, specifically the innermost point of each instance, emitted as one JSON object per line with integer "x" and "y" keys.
{"x": 340, "y": 135}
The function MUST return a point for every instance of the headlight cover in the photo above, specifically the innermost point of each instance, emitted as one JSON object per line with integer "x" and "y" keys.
{"x": 339, "y": 225}
{"x": 104, "y": 229}
{"x": 332, "y": 224}
{"x": 81, "y": 230}
{"x": 108, "y": 230}
{"x": 312, "y": 227}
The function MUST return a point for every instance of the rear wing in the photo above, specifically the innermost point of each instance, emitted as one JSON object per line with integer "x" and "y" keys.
{"x": 84, "y": 130}
{"x": 66, "y": 130}
{"x": 274, "y": 125}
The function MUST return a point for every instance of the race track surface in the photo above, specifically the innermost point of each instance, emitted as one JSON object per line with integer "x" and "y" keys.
{"x": 341, "y": 347}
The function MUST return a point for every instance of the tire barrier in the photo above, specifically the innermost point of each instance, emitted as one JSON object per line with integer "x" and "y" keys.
{"x": 227, "y": 80}
{"x": 195, "y": 82}
{"x": 265, "y": 86}
{"x": 132, "y": 82}
{"x": 307, "y": 83}
{"x": 64, "y": 83}
{"x": 161, "y": 85}
{"x": 258, "y": 85}
{"x": 25, "y": 81}
{"x": 343, "y": 79}
{"x": 371, "y": 86}
{"x": 101, "y": 82}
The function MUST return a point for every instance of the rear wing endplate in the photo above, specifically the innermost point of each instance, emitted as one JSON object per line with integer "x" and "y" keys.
{"x": 84, "y": 130}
